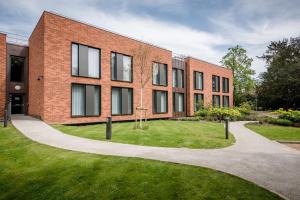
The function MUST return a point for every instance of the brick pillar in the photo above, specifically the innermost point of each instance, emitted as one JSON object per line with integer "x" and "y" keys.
{"x": 2, "y": 73}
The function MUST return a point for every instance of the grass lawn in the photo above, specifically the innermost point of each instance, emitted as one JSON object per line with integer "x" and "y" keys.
{"x": 29, "y": 170}
{"x": 274, "y": 132}
{"x": 164, "y": 133}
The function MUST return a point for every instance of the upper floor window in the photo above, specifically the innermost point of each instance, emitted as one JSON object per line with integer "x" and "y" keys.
{"x": 215, "y": 83}
{"x": 121, "y": 101}
{"x": 216, "y": 100}
{"x": 198, "y": 80}
{"x": 178, "y": 78}
{"x": 159, "y": 74}
{"x": 85, "y": 61}
{"x": 121, "y": 67}
{"x": 225, "y": 84}
{"x": 160, "y": 101}
{"x": 16, "y": 68}
{"x": 225, "y": 101}
{"x": 85, "y": 100}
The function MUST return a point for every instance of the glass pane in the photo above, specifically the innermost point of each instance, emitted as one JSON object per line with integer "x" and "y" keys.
{"x": 155, "y": 73}
{"x": 174, "y": 77}
{"x": 163, "y": 101}
{"x": 113, "y": 66}
{"x": 116, "y": 101}
{"x": 180, "y": 102}
{"x": 16, "y": 68}
{"x": 199, "y": 77}
{"x": 74, "y": 59}
{"x": 94, "y": 62}
{"x": 97, "y": 101}
{"x": 126, "y": 68}
{"x": 78, "y": 101}
{"x": 129, "y": 101}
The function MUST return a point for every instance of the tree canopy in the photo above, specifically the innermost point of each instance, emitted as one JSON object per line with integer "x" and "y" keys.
{"x": 237, "y": 60}
{"x": 279, "y": 86}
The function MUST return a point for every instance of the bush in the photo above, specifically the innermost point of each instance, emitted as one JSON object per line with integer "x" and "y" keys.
{"x": 282, "y": 122}
{"x": 291, "y": 115}
{"x": 214, "y": 113}
{"x": 245, "y": 108}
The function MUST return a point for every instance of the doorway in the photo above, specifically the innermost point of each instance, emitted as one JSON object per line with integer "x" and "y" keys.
{"x": 17, "y": 104}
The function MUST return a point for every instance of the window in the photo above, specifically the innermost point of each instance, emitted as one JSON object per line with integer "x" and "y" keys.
{"x": 198, "y": 101}
{"x": 198, "y": 80}
{"x": 216, "y": 100}
{"x": 160, "y": 101}
{"x": 121, "y": 67}
{"x": 225, "y": 101}
{"x": 85, "y": 61}
{"x": 85, "y": 100}
{"x": 16, "y": 68}
{"x": 178, "y": 78}
{"x": 215, "y": 83}
{"x": 225, "y": 84}
{"x": 159, "y": 74}
{"x": 178, "y": 102}
{"x": 121, "y": 101}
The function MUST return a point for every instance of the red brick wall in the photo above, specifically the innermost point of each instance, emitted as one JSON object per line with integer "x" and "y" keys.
{"x": 59, "y": 32}
{"x": 36, "y": 69}
{"x": 2, "y": 73}
{"x": 208, "y": 70}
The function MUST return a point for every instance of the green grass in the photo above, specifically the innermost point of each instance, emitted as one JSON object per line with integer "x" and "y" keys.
{"x": 29, "y": 170}
{"x": 275, "y": 132}
{"x": 163, "y": 133}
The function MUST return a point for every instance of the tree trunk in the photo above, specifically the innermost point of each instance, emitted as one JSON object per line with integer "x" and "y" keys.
{"x": 141, "y": 107}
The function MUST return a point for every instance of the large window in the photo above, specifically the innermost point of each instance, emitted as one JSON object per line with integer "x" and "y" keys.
{"x": 159, "y": 74}
{"x": 178, "y": 78}
{"x": 198, "y": 101}
{"x": 85, "y": 100}
{"x": 121, "y": 101}
{"x": 16, "y": 68}
{"x": 160, "y": 101}
{"x": 178, "y": 102}
{"x": 225, "y": 85}
{"x": 198, "y": 80}
{"x": 121, "y": 67}
{"x": 85, "y": 61}
{"x": 215, "y": 83}
{"x": 225, "y": 101}
{"x": 216, "y": 100}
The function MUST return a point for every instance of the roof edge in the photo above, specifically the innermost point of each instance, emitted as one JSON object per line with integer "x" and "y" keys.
{"x": 208, "y": 62}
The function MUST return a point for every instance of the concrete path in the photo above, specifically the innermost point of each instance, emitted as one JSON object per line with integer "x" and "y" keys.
{"x": 269, "y": 164}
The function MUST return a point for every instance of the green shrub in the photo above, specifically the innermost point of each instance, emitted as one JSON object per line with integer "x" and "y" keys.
{"x": 214, "y": 113}
{"x": 292, "y": 115}
{"x": 282, "y": 122}
{"x": 245, "y": 108}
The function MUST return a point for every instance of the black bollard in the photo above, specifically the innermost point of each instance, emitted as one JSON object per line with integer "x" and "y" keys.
{"x": 5, "y": 118}
{"x": 108, "y": 128}
{"x": 226, "y": 128}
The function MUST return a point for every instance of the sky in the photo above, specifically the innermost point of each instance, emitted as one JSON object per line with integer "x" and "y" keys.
{"x": 203, "y": 29}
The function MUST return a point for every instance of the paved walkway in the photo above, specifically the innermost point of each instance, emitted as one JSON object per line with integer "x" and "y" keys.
{"x": 267, "y": 163}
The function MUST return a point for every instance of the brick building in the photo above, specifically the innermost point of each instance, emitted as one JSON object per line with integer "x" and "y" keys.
{"x": 72, "y": 72}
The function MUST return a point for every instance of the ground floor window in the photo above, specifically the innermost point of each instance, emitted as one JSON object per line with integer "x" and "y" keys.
{"x": 216, "y": 100}
{"x": 178, "y": 102}
{"x": 160, "y": 101}
{"x": 198, "y": 101}
{"x": 85, "y": 100}
{"x": 121, "y": 101}
{"x": 225, "y": 101}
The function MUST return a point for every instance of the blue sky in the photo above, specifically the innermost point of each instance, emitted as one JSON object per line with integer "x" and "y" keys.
{"x": 202, "y": 28}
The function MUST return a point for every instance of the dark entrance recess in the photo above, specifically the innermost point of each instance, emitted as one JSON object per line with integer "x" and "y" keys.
{"x": 16, "y": 68}
{"x": 17, "y": 104}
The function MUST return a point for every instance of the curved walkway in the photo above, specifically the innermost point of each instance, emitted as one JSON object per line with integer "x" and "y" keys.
{"x": 269, "y": 164}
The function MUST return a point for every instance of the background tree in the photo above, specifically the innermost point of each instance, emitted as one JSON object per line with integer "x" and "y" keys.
{"x": 143, "y": 63}
{"x": 237, "y": 60}
{"x": 279, "y": 86}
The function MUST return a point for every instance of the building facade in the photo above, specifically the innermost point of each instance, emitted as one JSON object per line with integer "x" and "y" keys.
{"x": 72, "y": 72}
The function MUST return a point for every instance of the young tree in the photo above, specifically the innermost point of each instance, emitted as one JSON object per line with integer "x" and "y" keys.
{"x": 279, "y": 86}
{"x": 243, "y": 84}
{"x": 142, "y": 61}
